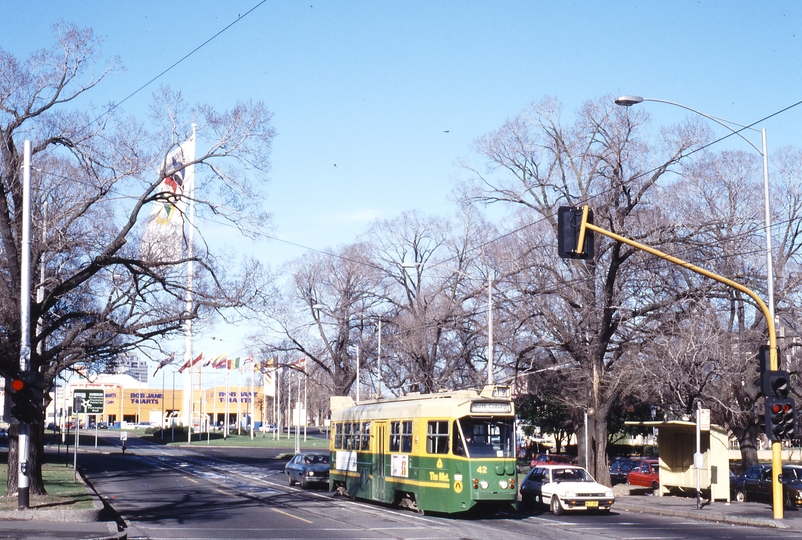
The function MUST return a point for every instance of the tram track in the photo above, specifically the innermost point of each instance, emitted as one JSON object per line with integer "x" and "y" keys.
{"x": 263, "y": 486}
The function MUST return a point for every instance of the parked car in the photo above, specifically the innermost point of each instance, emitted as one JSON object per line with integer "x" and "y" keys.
{"x": 565, "y": 487}
{"x": 755, "y": 485}
{"x": 645, "y": 473}
{"x": 267, "y": 428}
{"x": 619, "y": 469}
{"x": 306, "y": 468}
{"x": 53, "y": 427}
{"x": 550, "y": 459}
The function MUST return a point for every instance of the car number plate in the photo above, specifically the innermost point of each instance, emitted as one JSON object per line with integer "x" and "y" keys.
{"x": 591, "y": 504}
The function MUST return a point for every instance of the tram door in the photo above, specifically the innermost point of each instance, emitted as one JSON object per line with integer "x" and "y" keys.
{"x": 379, "y": 464}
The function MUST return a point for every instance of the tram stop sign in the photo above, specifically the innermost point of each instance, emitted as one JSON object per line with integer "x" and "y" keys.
{"x": 92, "y": 400}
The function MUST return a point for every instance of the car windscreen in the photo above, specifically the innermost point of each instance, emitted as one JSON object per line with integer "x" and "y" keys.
{"x": 570, "y": 475}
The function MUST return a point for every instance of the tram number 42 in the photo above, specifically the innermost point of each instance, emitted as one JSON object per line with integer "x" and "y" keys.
{"x": 481, "y": 469}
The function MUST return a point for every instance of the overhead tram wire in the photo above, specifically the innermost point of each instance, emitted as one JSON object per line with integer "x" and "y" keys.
{"x": 648, "y": 172}
{"x": 481, "y": 246}
{"x": 193, "y": 51}
{"x": 170, "y": 68}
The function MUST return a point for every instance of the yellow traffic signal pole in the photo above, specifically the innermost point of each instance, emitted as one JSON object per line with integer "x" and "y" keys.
{"x": 776, "y": 446}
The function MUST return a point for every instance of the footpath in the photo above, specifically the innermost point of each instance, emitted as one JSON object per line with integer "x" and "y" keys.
{"x": 754, "y": 514}
{"x": 102, "y": 522}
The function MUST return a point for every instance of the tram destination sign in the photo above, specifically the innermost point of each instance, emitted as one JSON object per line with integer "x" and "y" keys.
{"x": 92, "y": 400}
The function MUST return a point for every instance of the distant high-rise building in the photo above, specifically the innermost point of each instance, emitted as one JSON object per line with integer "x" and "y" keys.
{"x": 130, "y": 364}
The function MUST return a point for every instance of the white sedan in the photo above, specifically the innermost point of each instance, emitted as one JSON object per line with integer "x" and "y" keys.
{"x": 565, "y": 487}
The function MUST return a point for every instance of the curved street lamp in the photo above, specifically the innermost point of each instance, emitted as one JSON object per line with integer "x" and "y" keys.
{"x": 628, "y": 101}
{"x": 776, "y": 451}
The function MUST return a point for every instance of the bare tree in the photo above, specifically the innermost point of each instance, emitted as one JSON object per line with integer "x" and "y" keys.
{"x": 96, "y": 174}
{"x": 435, "y": 278}
{"x": 322, "y": 315}
{"x": 592, "y": 312}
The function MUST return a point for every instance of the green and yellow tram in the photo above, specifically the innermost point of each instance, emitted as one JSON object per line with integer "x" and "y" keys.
{"x": 446, "y": 452}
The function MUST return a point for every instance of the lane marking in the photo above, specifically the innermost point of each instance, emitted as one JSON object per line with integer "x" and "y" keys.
{"x": 291, "y": 515}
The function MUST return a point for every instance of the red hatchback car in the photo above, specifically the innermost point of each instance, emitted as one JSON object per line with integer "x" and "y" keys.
{"x": 646, "y": 473}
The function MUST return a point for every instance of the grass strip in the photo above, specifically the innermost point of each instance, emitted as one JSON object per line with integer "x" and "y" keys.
{"x": 63, "y": 490}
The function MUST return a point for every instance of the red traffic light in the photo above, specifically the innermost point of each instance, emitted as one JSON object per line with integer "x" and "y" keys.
{"x": 17, "y": 385}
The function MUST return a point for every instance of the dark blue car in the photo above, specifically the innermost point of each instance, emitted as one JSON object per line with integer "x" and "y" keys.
{"x": 755, "y": 485}
{"x": 307, "y": 468}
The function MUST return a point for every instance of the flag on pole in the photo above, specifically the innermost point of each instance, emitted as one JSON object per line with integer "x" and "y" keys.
{"x": 220, "y": 362}
{"x": 213, "y": 361}
{"x": 244, "y": 366}
{"x": 165, "y": 362}
{"x": 190, "y": 363}
{"x": 299, "y": 365}
{"x": 233, "y": 363}
{"x": 269, "y": 375}
{"x": 165, "y": 229}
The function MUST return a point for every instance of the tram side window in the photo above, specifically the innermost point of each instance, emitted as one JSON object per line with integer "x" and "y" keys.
{"x": 366, "y": 436}
{"x": 357, "y": 436}
{"x": 406, "y": 436}
{"x": 338, "y": 436}
{"x": 348, "y": 437}
{"x": 401, "y": 436}
{"x": 395, "y": 436}
{"x": 437, "y": 437}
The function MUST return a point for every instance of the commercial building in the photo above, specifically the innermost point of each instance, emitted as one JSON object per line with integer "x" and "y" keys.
{"x": 126, "y": 399}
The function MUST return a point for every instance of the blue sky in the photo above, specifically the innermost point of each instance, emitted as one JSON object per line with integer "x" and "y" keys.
{"x": 394, "y": 93}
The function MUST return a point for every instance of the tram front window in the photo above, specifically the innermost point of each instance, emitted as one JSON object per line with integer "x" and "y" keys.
{"x": 485, "y": 437}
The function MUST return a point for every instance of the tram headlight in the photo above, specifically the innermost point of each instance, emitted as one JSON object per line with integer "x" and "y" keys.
{"x": 483, "y": 484}
{"x": 502, "y": 484}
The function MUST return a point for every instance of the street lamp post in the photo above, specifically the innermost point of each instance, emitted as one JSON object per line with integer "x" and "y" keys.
{"x": 628, "y": 101}
{"x": 776, "y": 450}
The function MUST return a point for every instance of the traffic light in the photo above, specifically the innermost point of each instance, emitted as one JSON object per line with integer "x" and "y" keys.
{"x": 779, "y": 418}
{"x": 776, "y": 384}
{"x": 27, "y": 394}
{"x": 779, "y": 408}
{"x": 569, "y": 222}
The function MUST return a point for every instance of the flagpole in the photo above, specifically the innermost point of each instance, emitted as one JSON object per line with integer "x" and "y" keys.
{"x": 214, "y": 400}
{"x": 239, "y": 399}
{"x": 253, "y": 374}
{"x": 264, "y": 399}
{"x": 162, "y": 400}
{"x": 225, "y": 424}
{"x": 190, "y": 255}
{"x": 276, "y": 406}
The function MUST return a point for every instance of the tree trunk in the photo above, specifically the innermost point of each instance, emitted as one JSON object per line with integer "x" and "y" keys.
{"x": 746, "y": 439}
{"x": 596, "y": 447}
{"x": 597, "y": 457}
{"x": 36, "y": 485}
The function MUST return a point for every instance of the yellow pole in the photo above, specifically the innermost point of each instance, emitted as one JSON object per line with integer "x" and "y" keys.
{"x": 776, "y": 446}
